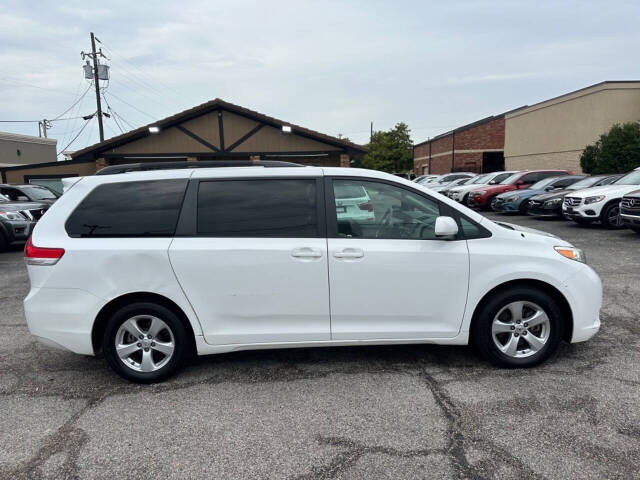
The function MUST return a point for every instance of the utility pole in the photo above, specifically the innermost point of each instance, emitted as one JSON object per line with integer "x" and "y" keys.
{"x": 42, "y": 127}
{"x": 371, "y": 134}
{"x": 97, "y": 83}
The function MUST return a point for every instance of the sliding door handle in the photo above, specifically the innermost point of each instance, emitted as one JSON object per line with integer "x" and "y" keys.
{"x": 349, "y": 253}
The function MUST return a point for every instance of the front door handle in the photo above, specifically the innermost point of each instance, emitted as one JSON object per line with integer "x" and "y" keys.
{"x": 306, "y": 252}
{"x": 349, "y": 253}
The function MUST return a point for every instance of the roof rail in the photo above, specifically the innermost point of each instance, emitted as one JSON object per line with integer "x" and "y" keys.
{"x": 148, "y": 166}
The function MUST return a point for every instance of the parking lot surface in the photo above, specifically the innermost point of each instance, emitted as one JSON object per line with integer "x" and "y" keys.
{"x": 372, "y": 412}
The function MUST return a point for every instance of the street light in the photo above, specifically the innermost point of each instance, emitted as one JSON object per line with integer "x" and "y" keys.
{"x": 154, "y": 129}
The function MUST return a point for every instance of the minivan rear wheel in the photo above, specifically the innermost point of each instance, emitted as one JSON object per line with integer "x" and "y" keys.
{"x": 520, "y": 327}
{"x": 145, "y": 342}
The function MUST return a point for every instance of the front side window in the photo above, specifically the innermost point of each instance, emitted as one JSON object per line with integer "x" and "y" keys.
{"x": 258, "y": 208}
{"x": 129, "y": 209}
{"x": 379, "y": 210}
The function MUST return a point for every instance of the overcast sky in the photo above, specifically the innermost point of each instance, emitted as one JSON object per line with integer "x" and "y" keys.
{"x": 329, "y": 66}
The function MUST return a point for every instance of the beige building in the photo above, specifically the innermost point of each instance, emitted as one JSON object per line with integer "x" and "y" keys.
{"x": 216, "y": 130}
{"x": 18, "y": 149}
{"x": 553, "y": 133}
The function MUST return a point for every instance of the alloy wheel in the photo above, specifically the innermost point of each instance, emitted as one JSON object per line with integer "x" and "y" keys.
{"x": 144, "y": 343}
{"x": 520, "y": 329}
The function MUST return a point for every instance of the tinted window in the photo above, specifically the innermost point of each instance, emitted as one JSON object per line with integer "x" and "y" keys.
{"x": 386, "y": 211}
{"x": 472, "y": 230}
{"x": 258, "y": 208}
{"x": 530, "y": 178}
{"x": 129, "y": 209}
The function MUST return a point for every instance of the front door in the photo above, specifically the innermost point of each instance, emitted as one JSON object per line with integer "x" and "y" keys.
{"x": 390, "y": 277}
{"x": 255, "y": 270}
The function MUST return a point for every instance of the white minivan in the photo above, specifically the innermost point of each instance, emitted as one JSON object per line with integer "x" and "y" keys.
{"x": 148, "y": 267}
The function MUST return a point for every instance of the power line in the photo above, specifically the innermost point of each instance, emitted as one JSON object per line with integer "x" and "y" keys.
{"x": 77, "y": 135}
{"x": 115, "y": 119}
{"x": 132, "y": 106}
{"x": 74, "y": 103}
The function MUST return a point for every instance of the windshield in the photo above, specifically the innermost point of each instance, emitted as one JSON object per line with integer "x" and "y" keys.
{"x": 39, "y": 193}
{"x": 631, "y": 178}
{"x": 500, "y": 178}
{"x": 511, "y": 179}
{"x": 584, "y": 183}
{"x": 479, "y": 179}
{"x": 540, "y": 184}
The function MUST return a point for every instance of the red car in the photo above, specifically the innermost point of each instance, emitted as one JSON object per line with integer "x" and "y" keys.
{"x": 482, "y": 196}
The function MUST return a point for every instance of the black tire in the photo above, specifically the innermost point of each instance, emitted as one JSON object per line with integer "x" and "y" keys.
{"x": 611, "y": 210}
{"x": 635, "y": 229}
{"x": 582, "y": 221}
{"x": 3, "y": 243}
{"x": 523, "y": 207}
{"x": 465, "y": 199}
{"x": 487, "y": 206}
{"x": 180, "y": 340}
{"x": 481, "y": 331}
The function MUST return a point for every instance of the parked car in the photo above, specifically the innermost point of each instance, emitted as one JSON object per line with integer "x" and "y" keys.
{"x": 630, "y": 210}
{"x": 518, "y": 200}
{"x": 352, "y": 201}
{"x": 601, "y": 203}
{"x": 28, "y": 193}
{"x": 148, "y": 267}
{"x": 461, "y": 193}
{"x": 429, "y": 179}
{"x": 549, "y": 204}
{"x": 423, "y": 178}
{"x": 17, "y": 220}
{"x": 444, "y": 189}
{"x": 482, "y": 197}
{"x": 448, "y": 178}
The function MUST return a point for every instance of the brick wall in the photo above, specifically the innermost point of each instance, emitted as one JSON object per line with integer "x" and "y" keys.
{"x": 487, "y": 136}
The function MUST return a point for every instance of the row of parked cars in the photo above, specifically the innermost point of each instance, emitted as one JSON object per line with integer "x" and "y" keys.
{"x": 21, "y": 206}
{"x": 612, "y": 200}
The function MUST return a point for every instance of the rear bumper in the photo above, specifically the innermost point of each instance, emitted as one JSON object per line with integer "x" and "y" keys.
{"x": 62, "y": 317}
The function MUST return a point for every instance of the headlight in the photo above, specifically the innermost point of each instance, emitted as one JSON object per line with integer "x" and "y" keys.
{"x": 515, "y": 199}
{"x": 597, "y": 199}
{"x": 553, "y": 202}
{"x": 572, "y": 253}
{"x": 12, "y": 215}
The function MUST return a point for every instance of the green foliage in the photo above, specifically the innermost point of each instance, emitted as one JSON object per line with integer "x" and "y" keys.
{"x": 390, "y": 151}
{"x": 617, "y": 151}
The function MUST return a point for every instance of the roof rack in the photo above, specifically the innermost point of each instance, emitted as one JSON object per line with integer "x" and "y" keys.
{"x": 148, "y": 166}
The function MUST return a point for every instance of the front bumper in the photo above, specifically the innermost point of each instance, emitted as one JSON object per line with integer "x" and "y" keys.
{"x": 538, "y": 209}
{"x": 630, "y": 220}
{"x": 476, "y": 201}
{"x": 582, "y": 211}
{"x": 17, "y": 230}
{"x": 583, "y": 291}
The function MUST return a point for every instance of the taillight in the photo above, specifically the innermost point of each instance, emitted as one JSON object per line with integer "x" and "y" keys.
{"x": 41, "y": 256}
{"x": 366, "y": 206}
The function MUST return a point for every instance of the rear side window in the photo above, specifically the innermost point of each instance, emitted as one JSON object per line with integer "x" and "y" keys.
{"x": 258, "y": 208}
{"x": 129, "y": 209}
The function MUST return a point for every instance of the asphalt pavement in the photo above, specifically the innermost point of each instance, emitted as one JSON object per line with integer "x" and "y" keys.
{"x": 348, "y": 413}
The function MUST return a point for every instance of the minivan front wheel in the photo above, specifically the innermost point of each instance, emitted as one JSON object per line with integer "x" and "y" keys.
{"x": 520, "y": 327}
{"x": 145, "y": 342}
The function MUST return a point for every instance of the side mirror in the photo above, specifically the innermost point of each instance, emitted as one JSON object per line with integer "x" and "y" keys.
{"x": 446, "y": 228}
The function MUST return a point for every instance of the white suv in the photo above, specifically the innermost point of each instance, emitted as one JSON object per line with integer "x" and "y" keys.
{"x": 151, "y": 266}
{"x": 601, "y": 203}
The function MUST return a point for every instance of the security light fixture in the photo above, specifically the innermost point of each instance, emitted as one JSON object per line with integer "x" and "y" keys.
{"x": 286, "y": 128}
{"x": 154, "y": 129}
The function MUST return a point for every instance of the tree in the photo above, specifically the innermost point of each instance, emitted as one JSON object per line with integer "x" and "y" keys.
{"x": 617, "y": 151}
{"x": 390, "y": 151}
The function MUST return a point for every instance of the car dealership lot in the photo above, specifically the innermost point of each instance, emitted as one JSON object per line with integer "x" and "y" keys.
{"x": 371, "y": 412}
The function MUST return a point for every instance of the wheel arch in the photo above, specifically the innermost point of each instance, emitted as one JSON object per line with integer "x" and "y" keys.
{"x": 100, "y": 323}
{"x": 549, "y": 289}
